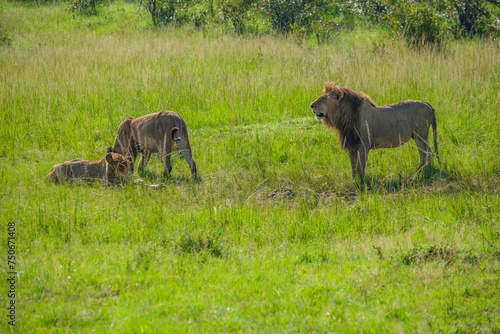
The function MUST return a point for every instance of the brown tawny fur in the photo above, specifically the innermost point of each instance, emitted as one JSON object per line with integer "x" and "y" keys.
{"x": 362, "y": 126}
{"x": 154, "y": 133}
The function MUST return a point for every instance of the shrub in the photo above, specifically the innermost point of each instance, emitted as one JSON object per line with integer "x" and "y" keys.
{"x": 167, "y": 11}
{"x": 161, "y": 11}
{"x": 473, "y": 17}
{"x": 235, "y": 12}
{"x": 85, "y": 6}
{"x": 302, "y": 18}
{"x": 5, "y": 39}
{"x": 433, "y": 18}
{"x": 285, "y": 13}
{"x": 372, "y": 9}
{"x": 321, "y": 21}
{"x": 417, "y": 23}
{"x": 200, "y": 13}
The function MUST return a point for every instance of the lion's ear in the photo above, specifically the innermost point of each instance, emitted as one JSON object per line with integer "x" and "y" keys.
{"x": 109, "y": 158}
{"x": 340, "y": 95}
{"x": 109, "y": 149}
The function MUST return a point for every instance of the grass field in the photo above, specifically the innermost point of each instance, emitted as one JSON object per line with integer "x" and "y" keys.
{"x": 274, "y": 236}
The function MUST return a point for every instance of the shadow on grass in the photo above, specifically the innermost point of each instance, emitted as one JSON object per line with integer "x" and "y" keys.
{"x": 151, "y": 177}
{"x": 425, "y": 177}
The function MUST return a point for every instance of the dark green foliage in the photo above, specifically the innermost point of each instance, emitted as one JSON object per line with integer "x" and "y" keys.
{"x": 235, "y": 12}
{"x": 302, "y": 18}
{"x": 167, "y": 11}
{"x": 161, "y": 11}
{"x": 417, "y": 22}
{"x": 284, "y": 14}
{"x": 428, "y": 21}
{"x": 40, "y": 2}
{"x": 473, "y": 16}
{"x": 372, "y": 9}
{"x": 200, "y": 13}
{"x": 85, "y": 6}
{"x": 299, "y": 17}
{"x": 5, "y": 39}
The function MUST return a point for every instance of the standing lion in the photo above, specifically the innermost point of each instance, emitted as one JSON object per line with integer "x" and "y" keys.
{"x": 153, "y": 133}
{"x": 362, "y": 126}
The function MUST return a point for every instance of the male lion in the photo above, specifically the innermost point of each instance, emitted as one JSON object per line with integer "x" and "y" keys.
{"x": 153, "y": 133}
{"x": 113, "y": 168}
{"x": 362, "y": 126}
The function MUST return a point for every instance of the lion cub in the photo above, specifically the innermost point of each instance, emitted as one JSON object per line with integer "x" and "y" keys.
{"x": 113, "y": 168}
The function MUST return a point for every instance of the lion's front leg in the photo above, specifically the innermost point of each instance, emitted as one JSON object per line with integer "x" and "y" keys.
{"x": 363, "y": 157}
{"x": 353, "y": 156}
{"x": 358, "y": 159}
{"x": 144, "y": 160}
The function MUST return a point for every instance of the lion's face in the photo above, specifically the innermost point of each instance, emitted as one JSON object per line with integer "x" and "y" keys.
{"x": 119, "y": 167}
{"x": 324, "y": 103}
{"x": 320, "y": 106}
{"x": 129, "y": 162}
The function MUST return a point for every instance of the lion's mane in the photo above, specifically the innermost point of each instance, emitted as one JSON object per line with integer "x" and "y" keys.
{"x": 345, "y": 120}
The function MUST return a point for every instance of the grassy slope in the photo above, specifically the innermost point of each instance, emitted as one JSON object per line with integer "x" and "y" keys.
{"x": 414, "y": 252}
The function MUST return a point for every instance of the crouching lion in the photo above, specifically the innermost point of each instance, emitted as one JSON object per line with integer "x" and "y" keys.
{"x": 361, "y": 126}
{"x": 153, "y": 133}
{"x": 114, "y": 168}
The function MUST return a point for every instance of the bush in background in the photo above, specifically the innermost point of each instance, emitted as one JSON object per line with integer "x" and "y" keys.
{"x": 161, "y": 11}
{"x": 85, "y": 6}
{"x": 284, "y": 14}
{"x": 417, "y": 22}
{"x": 235, "y": 12}
{"x": 420, "y": 22}
{"x": 429, "y": 21}
{"x": 5, "y": 39}
{"x": 302, "y": 18}
{"x": 473, "y": 17}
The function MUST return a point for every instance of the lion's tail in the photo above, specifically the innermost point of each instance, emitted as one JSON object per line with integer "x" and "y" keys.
{"x": 176, "y": 132}
{"x": 434, "y": 134}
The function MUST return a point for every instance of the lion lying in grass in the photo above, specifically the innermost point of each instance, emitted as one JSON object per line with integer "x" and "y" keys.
{"x": 114, "y": 168}
{"x": 153, "y": 133}
{"x": 361, "y": 126}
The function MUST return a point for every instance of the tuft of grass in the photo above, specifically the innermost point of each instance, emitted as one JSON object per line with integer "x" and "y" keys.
{"x": 430, "y": 253}
{"x": 196, "y": 243}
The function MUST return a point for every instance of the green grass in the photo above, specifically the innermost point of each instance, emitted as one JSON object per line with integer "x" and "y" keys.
{"x": 275, "y": 236}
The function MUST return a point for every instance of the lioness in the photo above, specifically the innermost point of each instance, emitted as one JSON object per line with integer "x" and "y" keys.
{"x": 113, "y": 168}
{"x": 362, "y": 126}
{"x": 153, "y": 133}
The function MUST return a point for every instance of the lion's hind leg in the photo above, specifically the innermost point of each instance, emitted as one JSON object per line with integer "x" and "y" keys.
{"x": 165, "y": 151}
{"x": 185, "y": 149}
{"x": 424, "y": 150}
